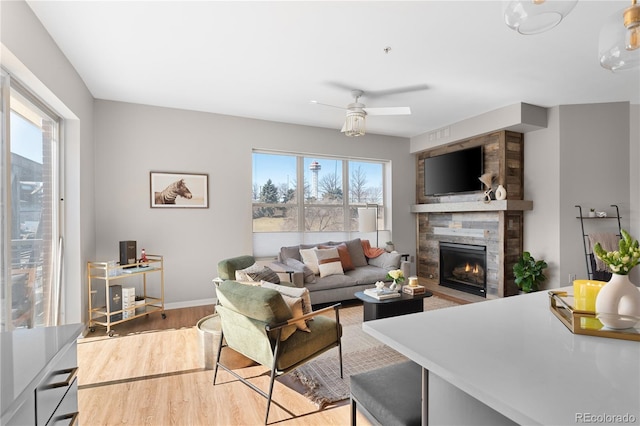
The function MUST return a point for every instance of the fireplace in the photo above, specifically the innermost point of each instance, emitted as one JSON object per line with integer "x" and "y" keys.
{"x": 463, "y": 267}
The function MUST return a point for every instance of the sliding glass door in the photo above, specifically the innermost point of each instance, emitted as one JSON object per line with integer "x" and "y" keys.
{"x": 29, "y": 210}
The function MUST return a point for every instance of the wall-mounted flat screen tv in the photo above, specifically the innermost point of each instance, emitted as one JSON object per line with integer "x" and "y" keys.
{"x": 453, "y": 172}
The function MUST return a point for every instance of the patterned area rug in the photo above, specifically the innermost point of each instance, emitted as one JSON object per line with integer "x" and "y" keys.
{"x": 360, "y": 353}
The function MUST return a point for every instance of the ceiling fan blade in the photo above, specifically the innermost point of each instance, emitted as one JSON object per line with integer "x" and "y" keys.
{"x": 394, "y": 91}
{"x": 388, "y": 111}
{"x": 329, "y": 105}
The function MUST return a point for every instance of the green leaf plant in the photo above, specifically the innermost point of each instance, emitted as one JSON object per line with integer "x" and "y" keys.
{"x": 529, "y": 273}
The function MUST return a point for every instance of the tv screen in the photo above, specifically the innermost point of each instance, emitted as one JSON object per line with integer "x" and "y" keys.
{"x": 453, "y": 172}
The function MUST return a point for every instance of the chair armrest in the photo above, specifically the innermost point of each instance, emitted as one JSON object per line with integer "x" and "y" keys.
{"x": 294, "y": 320}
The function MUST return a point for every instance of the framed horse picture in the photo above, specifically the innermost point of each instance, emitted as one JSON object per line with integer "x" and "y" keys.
{"x": 179, "y": 190}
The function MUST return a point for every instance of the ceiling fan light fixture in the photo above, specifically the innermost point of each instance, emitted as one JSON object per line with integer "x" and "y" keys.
{"x": 536, "y": 16}
{"x": 619, "y": 43}
{"x": 354, "y": 124}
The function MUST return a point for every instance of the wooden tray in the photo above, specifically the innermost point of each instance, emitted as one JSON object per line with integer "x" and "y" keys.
{"x": 583, "y": 322}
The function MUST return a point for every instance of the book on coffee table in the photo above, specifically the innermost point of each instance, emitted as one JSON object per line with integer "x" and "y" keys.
{"x": 382, "y": 294}
{"x": 413, "y": 290}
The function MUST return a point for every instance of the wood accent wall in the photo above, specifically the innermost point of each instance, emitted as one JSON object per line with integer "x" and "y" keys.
{"x": 500, "y": 231}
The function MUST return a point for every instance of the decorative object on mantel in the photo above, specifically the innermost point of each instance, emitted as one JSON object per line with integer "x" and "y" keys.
{"x": 487, "y": 179}
{"x": 501, "y": 193}
{"x": 397, "y": 276}
{"x": 618, "y": 302}
{"x": 529, "y": 273}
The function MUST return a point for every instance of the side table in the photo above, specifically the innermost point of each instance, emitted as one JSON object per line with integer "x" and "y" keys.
{"x": 405, "y": 304}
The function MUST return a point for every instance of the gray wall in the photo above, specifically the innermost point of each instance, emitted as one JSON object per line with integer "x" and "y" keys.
{"x": 132, "y": 140}
{"x": 581, "y": 158}
{"x": 30, "y": 55}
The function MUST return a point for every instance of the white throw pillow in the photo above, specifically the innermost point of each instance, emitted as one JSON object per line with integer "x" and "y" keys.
{"x": 329, "y": 262}
{"x": 309, "y": 258}
{"x": 295, "y": 304}
{"x": 302, "y": 293}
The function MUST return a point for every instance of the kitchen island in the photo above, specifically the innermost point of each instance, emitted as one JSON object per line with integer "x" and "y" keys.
{"x": 511, "y": 361}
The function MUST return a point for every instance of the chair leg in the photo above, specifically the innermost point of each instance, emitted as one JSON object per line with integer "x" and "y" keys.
{"x": 271, "y": 382}
{"x": 340, "y": 355}
{"x": 353, "y": 412}
{"x": 215, "y": 371}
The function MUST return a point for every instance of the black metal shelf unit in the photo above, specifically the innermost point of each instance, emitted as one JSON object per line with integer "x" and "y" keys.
{"x": 592, "y": 273}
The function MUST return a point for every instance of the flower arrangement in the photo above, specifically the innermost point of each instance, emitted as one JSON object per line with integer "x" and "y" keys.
{"x": 620, "y": 261}
{"x": 396, "y": 275}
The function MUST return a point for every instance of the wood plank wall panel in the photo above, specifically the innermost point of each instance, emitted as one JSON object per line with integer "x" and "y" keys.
{"x": 502, "y": 156}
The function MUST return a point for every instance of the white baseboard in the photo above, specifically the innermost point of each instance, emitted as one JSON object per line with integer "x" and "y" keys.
{"x": 190, "y": 303}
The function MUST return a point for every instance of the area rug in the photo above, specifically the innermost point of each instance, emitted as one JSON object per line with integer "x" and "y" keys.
{"x": 361, "y": 352}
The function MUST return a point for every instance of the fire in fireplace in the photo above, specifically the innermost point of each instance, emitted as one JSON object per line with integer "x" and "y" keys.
{"x": 462, "y": 267}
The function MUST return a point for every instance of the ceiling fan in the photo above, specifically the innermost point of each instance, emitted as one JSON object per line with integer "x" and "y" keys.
{"x": 354, "y": 124}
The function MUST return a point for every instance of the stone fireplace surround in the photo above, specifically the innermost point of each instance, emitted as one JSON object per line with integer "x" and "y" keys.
{"x": 467, "y": 219}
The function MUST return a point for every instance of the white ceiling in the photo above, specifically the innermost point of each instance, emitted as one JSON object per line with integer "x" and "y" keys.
{"x": 268, "y": 60}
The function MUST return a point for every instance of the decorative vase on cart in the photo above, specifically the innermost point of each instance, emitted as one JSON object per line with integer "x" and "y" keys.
{"x": 618, "y": 302}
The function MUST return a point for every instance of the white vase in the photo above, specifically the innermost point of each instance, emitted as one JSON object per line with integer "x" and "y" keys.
{"x": 501, "y": 193}
{"x": 618, "y": 303}
{"x": 395, "y": 286}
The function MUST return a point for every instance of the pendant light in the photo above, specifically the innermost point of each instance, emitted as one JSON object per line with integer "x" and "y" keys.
{"x": 619, "y": 44}
{"x": 536, "y": 16}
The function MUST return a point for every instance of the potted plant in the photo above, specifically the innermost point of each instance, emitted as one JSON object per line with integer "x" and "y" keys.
{"x": 529, "y": 273}
{"x": 592, "y": 212}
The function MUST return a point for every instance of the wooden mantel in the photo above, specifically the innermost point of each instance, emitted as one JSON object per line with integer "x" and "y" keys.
{"x": 473, "y": 206}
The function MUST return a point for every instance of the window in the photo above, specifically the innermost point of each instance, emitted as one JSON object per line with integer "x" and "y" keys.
{"x": 29, "y": 209}
{"x": 309, "y": 195}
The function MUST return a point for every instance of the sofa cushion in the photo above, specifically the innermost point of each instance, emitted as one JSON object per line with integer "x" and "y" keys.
{"x": 367, "y": 275}
{"x": 333, "y": 281}
{"x": 310, "y": 260}
{"x": 356, "y": 252}
{"x": 298, "y": 266}
{"x": 386, "y": 261}
{"x": 329, "y": 262}
{"x": 291, "y": 252}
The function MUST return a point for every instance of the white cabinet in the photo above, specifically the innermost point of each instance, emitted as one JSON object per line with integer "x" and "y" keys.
{"x": 39, "y": 383}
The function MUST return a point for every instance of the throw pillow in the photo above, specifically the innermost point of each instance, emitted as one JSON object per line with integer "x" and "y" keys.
{"x": 386, "y": 261}
{"x": 309, "y": 258}
{"x": 242, "y": 274}
{"x": 329, "y": 262}
{"x": 295, "y": 304}
{"x": 345, "y": 257}
{"x": 257, "y": 273}
{"x": 297, "y": 266}
{"x": 356, "y": 252}
{"x": 303, "y": 293}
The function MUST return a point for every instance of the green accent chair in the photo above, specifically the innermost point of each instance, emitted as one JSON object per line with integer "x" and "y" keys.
{"x": 227, "y": 268}
{"x": 258, "y": 323}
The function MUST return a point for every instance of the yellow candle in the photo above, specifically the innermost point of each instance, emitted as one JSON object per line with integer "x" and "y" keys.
{"x": 584, "y": 295}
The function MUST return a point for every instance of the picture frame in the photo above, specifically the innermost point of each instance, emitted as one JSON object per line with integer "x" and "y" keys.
{"x": 179, "y": 190}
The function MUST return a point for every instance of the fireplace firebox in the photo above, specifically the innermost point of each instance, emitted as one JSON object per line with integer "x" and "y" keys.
{"x": 463, "y": 267}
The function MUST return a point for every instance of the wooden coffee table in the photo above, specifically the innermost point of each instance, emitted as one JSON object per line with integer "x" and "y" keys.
{"x": 405, "y": 304}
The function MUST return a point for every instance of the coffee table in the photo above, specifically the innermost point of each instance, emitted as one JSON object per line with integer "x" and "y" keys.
{"x": 405, "y": 304}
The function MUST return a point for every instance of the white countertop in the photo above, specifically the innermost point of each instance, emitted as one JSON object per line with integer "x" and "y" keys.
{"x": 515, "y": 356}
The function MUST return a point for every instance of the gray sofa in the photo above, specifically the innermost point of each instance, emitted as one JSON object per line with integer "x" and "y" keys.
{"x": 340, "y": 287}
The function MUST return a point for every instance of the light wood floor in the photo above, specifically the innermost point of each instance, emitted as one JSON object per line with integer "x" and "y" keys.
{"x": 157, "y": 378}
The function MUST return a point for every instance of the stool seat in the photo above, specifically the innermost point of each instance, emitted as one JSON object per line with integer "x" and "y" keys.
{"x": 391, "y": 395}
